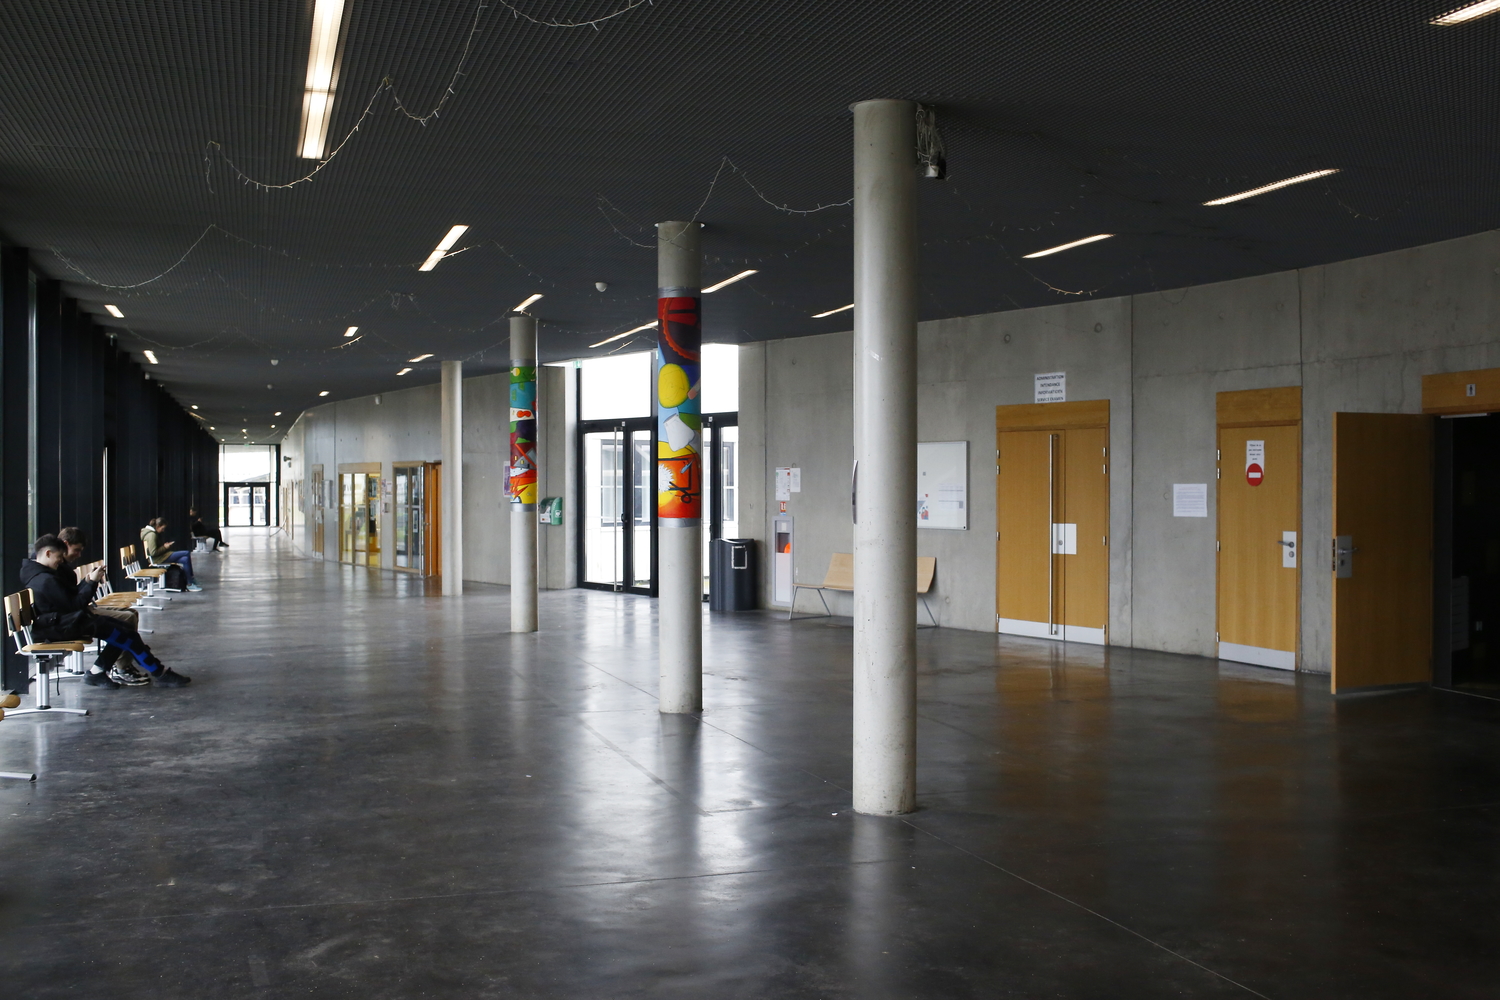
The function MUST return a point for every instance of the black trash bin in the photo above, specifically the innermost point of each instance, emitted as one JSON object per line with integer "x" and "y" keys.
{"x": 733, "y": 580}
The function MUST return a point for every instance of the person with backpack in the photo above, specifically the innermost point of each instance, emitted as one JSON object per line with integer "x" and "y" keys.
{"x": 160, "y": 553}
{"x": 62, "y": 609}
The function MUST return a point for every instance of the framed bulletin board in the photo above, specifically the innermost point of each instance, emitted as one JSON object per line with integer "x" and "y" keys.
{"x": 943, "y": 485}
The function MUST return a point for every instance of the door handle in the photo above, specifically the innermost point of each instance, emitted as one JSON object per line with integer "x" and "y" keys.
{"x": 1285, "y": 542}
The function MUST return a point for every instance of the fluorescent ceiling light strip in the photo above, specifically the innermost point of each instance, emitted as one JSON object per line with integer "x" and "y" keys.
{"x": 443, "y": 247}
{"x": 419, "y": 357}
{"x": 832, "y": 311}
{"x": 529, "y": 300}
{"x": 114, "y": 311}
{"x": 1468, "y": 13}
{"x": 350, "y": 332}
{"x": 322, "y": 77}
{"x": 1299, "y": 179}
{"x": 151, "y": 357}
{"x": 638, "y": 329}
{"x": 403, "y": 371}
{"x": 1069, "y": 246}
{"x": 745, "y": 274}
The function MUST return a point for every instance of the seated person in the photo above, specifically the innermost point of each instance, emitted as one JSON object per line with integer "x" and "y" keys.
{"x": 121, "y": 673}
{"x": 63, "y": 614}
{"x": 160, "y": 553}
{"x": 200, "y": 530}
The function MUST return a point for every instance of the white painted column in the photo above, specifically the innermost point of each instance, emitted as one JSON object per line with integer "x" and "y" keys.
{"x": 679, "y": 477}
{"x": 453, "y": 479}
{"x": 524, "y": 473}
{"x": 885, "y": 434}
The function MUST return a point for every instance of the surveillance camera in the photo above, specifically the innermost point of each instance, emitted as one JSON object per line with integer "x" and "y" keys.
{"x": 601, "y": 285}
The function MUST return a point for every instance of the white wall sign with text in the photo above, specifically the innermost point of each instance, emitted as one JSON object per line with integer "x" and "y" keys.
{"x": 1189, "y": 499}
{"x": 1052, "y": 387}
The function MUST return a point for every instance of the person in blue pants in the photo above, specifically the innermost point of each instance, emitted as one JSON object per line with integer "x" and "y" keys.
{"x": 160, "y": 552}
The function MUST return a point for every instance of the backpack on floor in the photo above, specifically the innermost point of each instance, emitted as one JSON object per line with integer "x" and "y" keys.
{"x": 175, "y": 578}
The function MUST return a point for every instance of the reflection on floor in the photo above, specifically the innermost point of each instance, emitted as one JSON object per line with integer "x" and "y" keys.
{"x": 374, "y": 792}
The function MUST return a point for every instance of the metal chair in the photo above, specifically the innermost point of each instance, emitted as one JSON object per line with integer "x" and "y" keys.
{"x": 47, "y": 657}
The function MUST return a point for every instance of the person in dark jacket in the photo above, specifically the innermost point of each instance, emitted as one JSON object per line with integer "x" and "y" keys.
{"x": 198, "y": 529}
{"x": 62, "y": 614}
{"x": 126, "y": 674}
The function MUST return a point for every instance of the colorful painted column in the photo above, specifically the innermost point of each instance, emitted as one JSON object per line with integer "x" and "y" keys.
{"x": 885, "y": 446}
{"x": 523, "y": 474}
{"x": 679, "y": 476}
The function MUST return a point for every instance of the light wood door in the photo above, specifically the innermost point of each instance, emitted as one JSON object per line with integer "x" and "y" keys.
{"x": 1081, "y": 559}
{"x": 1260, "y": 484}
{"x": 1023, "y": 508}
{"x": 1382, "y": 523}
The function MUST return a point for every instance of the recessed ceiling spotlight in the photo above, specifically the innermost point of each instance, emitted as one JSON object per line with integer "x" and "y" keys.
{"x": 275, "y": 361}
{"x": 420, "y": 357}
{"x": 323, "y": 393}
{"x": 602, "y": 286}
{"x": 529, "y": 300}
{"x": 443, "y": 247}
{"x": 322, "y": 77}
{"x": 213, "y": 428}
{"x": 273, "y": 427}
{"x": 1300, "y": 178}
{"x": 1069, "y": 246}
{"x": 403, "y": 371}
{"x": 1468, "y": 12}
{"x": 151, "y": 357}
{"x": 351, "y": 331}
{"x": 634, "y": 329}
{"x": 114, "y": 311}
{"x": 832, "y": 311}
{"x": 729, "y": 281}
{"x": 195, "y": 406}
{"x": 276, "y": 414}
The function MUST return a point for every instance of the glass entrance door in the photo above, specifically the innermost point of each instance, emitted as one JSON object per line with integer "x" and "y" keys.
{"x": 619, "y": 506}
{"x": 721, "y": 444}
{"x": 247, "y": 505}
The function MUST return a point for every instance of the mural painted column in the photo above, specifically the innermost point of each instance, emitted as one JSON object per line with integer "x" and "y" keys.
{"x": 885, "y": 446}
{"x": 679, "y": 479}
{"x": 523, "y": 474}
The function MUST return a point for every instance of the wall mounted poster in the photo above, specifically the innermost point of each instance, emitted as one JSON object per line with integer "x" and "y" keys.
{"x": 943, "y": 485}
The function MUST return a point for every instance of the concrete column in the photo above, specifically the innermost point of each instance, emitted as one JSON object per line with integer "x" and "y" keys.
{"x": 679, "y": 478}
{"x": 885, "y": 433}
{"x": 453, "y": 479}
{"x": 523, "y": 474}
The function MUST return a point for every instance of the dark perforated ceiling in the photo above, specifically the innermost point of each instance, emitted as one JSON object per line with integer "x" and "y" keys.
{"x": 123, "y": 123}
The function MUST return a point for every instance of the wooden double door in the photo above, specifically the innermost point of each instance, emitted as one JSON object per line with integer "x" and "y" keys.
{"x": 1052, "y": 520}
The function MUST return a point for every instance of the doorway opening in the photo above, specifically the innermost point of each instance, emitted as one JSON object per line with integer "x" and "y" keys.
{"x": 1467, "y": 526}
{"x": 247, "y": 505}
{"x": 618, "y": 528}
{"x": 415, "y": 528}
{"x": 359, "y": 516}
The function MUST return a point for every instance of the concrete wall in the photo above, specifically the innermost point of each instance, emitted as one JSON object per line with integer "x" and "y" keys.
{"x": 1357, "y": 336}
{"x": 403, "y": 427}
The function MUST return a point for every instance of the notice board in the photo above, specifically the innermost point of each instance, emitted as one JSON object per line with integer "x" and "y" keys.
{"x": 943, "y": 485}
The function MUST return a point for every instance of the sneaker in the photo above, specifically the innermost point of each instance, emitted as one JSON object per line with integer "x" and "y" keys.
{"x": 101, "y": 680}
{"x": 194, "y": 587}
{"x": 129, "y": 675}
{"x": 169, "y": 678}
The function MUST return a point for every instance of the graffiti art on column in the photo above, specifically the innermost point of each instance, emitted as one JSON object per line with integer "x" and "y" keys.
{"x": 523, "y": 434}
{"x": 678, "y": 476}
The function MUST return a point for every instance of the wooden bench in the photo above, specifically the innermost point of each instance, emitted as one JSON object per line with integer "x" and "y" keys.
{"x": 20, "y": 615}
{"x": 840, "y": 577}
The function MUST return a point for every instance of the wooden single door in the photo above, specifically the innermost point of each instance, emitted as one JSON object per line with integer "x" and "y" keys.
{"x": 432, "y": 513}
{"x": 1382, "y": 552}
{"x": 1081, "y": 552}
{"x": 1024, "y": 590}
{"x": 1259, "y": 530}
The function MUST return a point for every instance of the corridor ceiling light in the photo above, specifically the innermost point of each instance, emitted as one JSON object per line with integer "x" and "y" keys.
{"x": 536, "y": 295}
{"x": 419, "y": 357}
{"x": 151, "y": 357}
{"x": 403, "y": 371}
{"x": 322, "y": 77}
{"x": 443, "y": 247}
{"x": 1069, "y": 246}
{"x": 832, "y": 311}
{"x": 1300, "y": 178}
{"x": 745, "y": 274}
{"x": 323, "y": 393}
{"x": 1468, "y": 12}
{"x": 634, "y": 329}
{"x": 351, "y": 331}
{"x": 114, "y": 311}
{"x": 276, "y": 414}
{"x": 195, "y": 406}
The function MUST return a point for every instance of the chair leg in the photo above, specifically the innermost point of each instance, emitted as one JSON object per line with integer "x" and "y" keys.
{"x": 930, "y": 616}
{"x": 17, "y": 775}
{"x": 793, "y": 606}
{"x": 827, "y": 613}
{"x": 42, "y": 696}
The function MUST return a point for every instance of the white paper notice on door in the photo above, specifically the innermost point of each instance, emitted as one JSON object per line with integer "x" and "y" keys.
{"x": 1255, "y": 454}
{"x": 1189, "y": 499}
{"x": 1051, "y": 387}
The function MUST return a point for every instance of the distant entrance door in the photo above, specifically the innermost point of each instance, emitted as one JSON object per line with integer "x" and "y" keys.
{"x": 414, "y": 530}
{"x": 359, "y": 514}
{"x": 618, "y": 526}
{"x": 1259, "y": 488}
{"x": 247, "y": 505}
{"x": 1052, "y": 519}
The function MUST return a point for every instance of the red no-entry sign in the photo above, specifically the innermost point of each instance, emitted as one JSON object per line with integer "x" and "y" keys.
{"x": 1254, "y": 474}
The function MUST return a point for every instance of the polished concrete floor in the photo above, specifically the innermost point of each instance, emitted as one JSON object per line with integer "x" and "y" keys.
{"x": 370, "y": 792}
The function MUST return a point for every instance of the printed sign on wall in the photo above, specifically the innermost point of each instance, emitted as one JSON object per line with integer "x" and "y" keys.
{"x": 1052, "y": 387}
